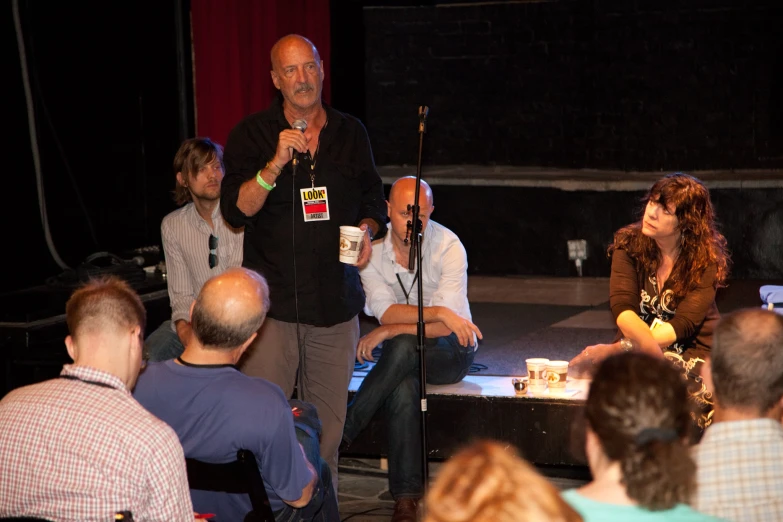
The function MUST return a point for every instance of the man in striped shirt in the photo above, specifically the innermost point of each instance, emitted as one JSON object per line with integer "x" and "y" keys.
{"x": 740, "y": 457}
{"x": 79, "y": 447}
{"x": 197, "y": 242}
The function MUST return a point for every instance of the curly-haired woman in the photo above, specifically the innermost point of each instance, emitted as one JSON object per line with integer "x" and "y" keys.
{"x": 666, "y": 268}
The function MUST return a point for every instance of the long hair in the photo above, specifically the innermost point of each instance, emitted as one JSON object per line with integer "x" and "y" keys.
{"x": 701, "y": 245}
{"x": 487, "y": 482}
{"x": 192, "y": 156}
{"x": 637, "y": 408}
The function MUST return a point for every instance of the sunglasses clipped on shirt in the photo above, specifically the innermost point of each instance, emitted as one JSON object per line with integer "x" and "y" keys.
{"x": 213, "y": 258}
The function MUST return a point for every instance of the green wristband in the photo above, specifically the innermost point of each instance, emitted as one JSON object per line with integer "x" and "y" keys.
{"x": 263, "y": 183}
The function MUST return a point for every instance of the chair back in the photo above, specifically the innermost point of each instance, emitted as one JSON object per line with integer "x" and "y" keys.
{"x": 239, "y": 476}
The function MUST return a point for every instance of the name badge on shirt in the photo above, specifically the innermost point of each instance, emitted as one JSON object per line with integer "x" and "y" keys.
{"x": 657, "y": 323}
{"x": 315, "y": 204}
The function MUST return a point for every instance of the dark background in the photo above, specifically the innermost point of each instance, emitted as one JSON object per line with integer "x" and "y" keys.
{"x": 105, "y": 80}
{"x": 611, "y": 84}
{"x": 628, "y": 85}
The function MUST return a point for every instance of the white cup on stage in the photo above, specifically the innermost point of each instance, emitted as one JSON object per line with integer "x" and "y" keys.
{"x": 536, "y": 371}
{"x": 350, "y": 244}
{"x": 557, "y": 375}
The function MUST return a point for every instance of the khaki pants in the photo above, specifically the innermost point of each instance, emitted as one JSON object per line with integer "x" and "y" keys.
{"x": 329, "y": 354}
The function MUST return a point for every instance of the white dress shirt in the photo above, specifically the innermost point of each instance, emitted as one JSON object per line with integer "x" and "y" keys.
{"x": 444, "y": 269}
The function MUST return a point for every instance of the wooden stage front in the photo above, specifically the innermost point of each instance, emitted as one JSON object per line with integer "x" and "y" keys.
{"x": 545, "y": 427}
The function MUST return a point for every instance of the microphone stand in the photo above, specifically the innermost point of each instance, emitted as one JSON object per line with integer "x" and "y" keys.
{"x": 414, "y": 262}
{"x": 300, "y": 369}
{"x": 300, "y": 125}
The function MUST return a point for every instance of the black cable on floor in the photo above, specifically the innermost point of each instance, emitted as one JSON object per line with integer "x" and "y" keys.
{"x": 477, "y": 367}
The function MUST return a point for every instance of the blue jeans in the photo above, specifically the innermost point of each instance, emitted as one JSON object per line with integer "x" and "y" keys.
{"x": 393, "y": 384}
{"x": 163, "y": 344}
{"x": 323, "y": 506}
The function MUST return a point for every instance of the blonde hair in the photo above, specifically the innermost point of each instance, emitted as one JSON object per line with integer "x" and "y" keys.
{"x": 488, "y": 482}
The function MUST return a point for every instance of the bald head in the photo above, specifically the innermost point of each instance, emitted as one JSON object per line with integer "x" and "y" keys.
{"x": 289, "y": 43}
{"x": 404, "y": 189}
{"x": 401, "y": 195}
{"x": 747, "y": 360}
{"x": 230, "y": 308}
{"x": 298, "y": 72}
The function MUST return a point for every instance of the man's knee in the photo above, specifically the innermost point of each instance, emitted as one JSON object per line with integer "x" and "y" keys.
{"x": 401, "y": 349}
{"x": 162, "y": 344}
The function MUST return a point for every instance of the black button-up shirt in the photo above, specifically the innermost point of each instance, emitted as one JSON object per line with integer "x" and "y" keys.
{"x": 329, "y": 292}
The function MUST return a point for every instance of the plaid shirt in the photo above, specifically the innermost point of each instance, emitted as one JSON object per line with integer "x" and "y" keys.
{"x": 740, "y": 471}
{"x": 72, "y": 450}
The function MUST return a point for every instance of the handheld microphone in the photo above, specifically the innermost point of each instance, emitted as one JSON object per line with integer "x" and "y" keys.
{"x": 302, "y": 126}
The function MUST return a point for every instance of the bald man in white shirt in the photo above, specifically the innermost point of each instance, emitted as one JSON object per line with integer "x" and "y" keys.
{"x": 451, "y": 337}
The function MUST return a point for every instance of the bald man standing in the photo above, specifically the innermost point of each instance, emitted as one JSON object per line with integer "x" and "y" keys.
{"x": 293, "y": 229}
{"x": 392, "y": 297}
{"x": 217, "y": 410}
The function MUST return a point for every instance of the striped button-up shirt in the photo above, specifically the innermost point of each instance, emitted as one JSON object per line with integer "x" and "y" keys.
{"x": 80, "y": 448}
{"x": 185, "y": 237}
{"x": 740, "y": 471}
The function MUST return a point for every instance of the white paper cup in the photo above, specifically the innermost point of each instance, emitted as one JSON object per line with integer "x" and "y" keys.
{"x": 350, "y": 243}
{"x": 557, "y": 374}
{"x": 536, "y": 371}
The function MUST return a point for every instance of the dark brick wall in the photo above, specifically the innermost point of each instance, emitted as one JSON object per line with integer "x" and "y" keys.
{"x": 620, "y": 84}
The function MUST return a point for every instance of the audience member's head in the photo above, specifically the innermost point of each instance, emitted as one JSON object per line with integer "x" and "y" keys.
{"x": 488, "y": 482}
{"x": 638, "y": 418}
{"x": 229, "y": 310}
{"x": 198, "y": 168}
{"x": 746, "y": 365}
{"x": 106, "y": 321}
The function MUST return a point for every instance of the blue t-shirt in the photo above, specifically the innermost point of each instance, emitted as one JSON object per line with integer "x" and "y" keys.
{"x": 594, "y": 511}
{"x": 218, "y": 411}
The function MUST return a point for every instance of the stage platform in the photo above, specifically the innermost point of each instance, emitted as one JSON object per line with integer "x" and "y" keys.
{"x": 524, "y": 317}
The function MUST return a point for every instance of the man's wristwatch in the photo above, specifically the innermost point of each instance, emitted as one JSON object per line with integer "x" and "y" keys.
{"x": 626, "y": 344}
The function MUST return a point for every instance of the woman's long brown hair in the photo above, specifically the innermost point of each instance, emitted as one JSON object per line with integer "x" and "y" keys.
{"x": 701, "y": 245}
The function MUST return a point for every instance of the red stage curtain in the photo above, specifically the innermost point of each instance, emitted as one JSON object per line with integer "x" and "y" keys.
{"x": 231, "y": 43}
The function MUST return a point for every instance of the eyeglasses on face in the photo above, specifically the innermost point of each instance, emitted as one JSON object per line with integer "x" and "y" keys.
{"x": 213, "y": 258}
